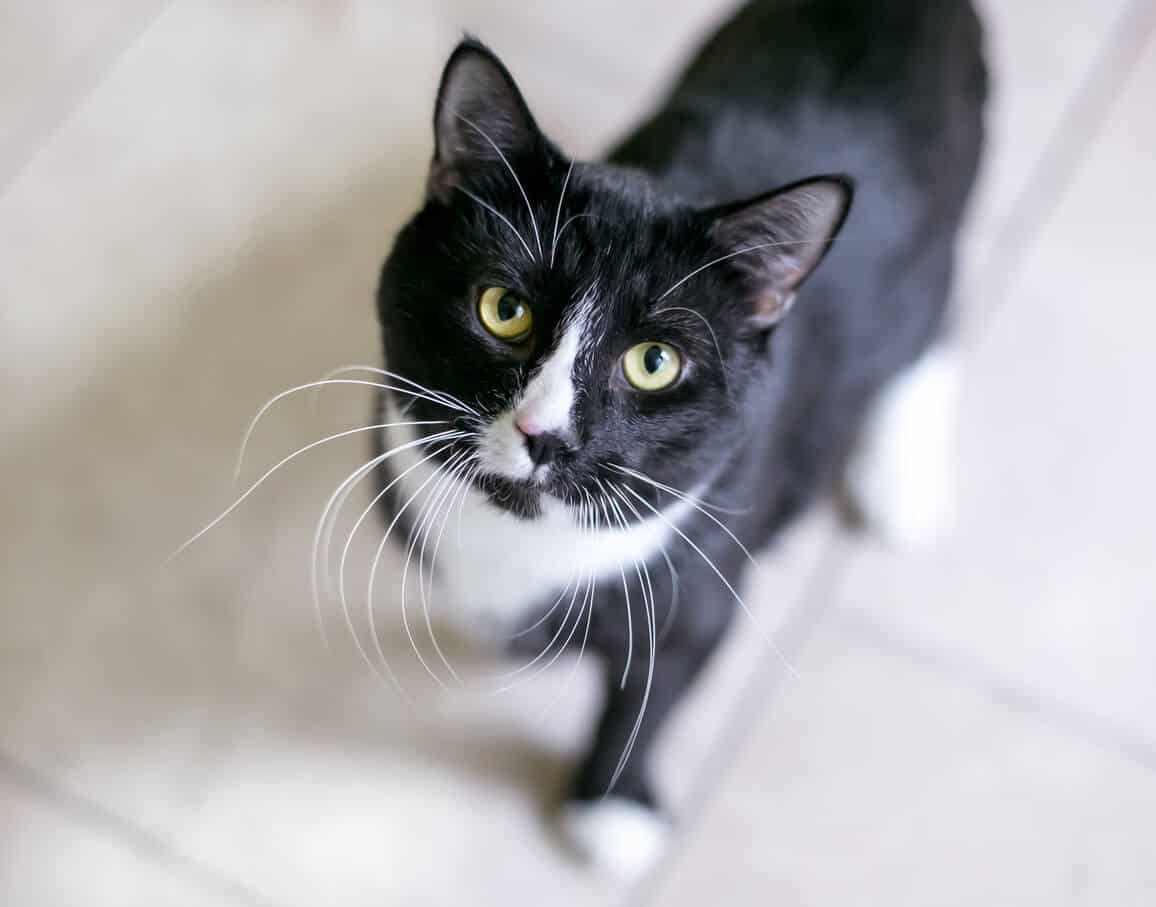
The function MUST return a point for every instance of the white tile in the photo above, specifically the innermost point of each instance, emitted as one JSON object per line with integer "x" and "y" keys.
{"x": 874, "y": 781}
{"x": 52, "y": 858}
{"x": 1040, "y": 54}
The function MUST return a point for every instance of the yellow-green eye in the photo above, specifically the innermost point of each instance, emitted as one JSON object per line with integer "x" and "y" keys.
{"x": 651, "y": 366}
{"x": 504, "y": 315}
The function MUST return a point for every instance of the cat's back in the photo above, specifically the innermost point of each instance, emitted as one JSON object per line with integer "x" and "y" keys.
{"x": 889, "y": 91}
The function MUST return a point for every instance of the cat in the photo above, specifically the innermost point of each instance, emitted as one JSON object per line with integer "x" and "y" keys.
{"x": 639, "y": 370}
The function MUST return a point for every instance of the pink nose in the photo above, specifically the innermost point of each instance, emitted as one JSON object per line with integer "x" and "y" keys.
{"x": 527, "y": 426}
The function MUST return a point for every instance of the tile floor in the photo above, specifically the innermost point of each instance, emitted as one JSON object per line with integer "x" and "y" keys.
{"x": 194, "y": 198}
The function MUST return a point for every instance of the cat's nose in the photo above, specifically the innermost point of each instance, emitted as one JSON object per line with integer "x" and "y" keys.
{"x": 541, "y": 446}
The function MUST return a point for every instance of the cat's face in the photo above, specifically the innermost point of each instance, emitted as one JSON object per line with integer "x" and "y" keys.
{"x": 585, "y": 319}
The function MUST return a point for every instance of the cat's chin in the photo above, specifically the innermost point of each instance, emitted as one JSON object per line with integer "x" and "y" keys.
{"x": 522, "y": 499}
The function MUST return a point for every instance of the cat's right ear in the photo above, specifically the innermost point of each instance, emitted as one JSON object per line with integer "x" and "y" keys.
{"x": 776, "y": 240}
{"x": 479, "y": 119}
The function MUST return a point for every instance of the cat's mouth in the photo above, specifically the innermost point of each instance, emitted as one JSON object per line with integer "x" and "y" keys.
{"x": 521, "y": 497}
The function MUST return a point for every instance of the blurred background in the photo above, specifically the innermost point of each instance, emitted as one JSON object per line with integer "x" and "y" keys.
{"x": 195, "y": 197}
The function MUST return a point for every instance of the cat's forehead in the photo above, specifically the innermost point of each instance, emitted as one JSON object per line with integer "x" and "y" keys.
{"x": 619, "y": 239}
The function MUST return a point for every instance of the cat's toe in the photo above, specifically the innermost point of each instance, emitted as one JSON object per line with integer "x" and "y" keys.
{"x": 615, "y": 835}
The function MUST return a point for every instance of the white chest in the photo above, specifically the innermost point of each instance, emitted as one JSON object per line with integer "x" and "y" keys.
{"x": 498, "y": 566}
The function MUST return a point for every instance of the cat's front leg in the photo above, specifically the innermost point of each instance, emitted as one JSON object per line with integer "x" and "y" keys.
{"x": 612, "y": 817}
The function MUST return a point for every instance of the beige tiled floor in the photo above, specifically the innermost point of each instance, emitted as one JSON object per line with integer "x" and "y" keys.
{"x": 194, "y": 198}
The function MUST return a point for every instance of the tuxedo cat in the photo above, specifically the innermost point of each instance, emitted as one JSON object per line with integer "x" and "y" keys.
{"x": 639, "y": 370}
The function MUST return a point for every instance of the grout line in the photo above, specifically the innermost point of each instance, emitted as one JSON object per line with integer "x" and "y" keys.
{"x": 102, "y": 74}
{"x": 975, "y": 674}
{"x": 104, "y": 821}
{"x": 1079, "y": 127}
{"x": 754, "y": 699}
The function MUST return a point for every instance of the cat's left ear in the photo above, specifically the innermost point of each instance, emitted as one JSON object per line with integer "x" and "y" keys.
{"x": 776, "y": 240}
{"x": 480, "y": 117}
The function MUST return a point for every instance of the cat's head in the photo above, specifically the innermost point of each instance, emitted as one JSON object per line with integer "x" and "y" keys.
{"x": 590, "y": 321}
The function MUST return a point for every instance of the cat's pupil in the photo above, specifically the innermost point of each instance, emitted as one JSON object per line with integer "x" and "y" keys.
{"x": 654, "y": 359}
{"x": 509, "y": 308}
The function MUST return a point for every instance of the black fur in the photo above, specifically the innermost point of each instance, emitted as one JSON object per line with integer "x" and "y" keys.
{"x": 888, "y": 93}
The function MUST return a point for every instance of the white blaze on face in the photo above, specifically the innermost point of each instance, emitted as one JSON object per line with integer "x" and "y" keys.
{"x": 546, "y": 405}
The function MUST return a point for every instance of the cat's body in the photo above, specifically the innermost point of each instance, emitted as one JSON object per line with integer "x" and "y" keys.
{"x": 766, "y": 408}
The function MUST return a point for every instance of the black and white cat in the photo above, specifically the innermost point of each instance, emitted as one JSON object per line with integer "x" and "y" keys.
{"x": 639, "y": 369}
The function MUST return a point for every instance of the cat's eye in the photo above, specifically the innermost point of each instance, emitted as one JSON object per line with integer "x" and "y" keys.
{"x": 651, "y": 366}
{"x": 505, "y": 315}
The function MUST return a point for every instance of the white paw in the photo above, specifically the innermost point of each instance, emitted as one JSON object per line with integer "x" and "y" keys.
{"x": 615, "y": 835}
{"x": 900, "y": 475}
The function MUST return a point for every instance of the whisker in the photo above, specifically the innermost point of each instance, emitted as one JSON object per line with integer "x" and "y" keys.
{"x": 342, "y": 597}
{"x": 738, "y": 598}
{"x": 377, "y": 561}
{"x": 529, "y": 208}
{"x": 692, "y": 501}
{"x": 546, "y": 651}
{"x": 322, "y": 538}
{"x": 558, "y": 213}
{"x": 316, "y": 384}
{"x": 755, "y": 248}
{"x": 323, "y": 524}
{"x": 648, "y": 613}
{"x": 498, "y": 214}
{"x": 456, "y": 476}
{"x": 674, "y": 598}
{"x": 571, "y": 219}
{"x": 421, "y": 529}
{"x": 462, "y": 501}
{"x": 343, "y": 434}
{"x": 576, "y": 579}
{"x": 545, "y": 617}
{"x": 625, "y": 592}
{"x": 394, "y": 376}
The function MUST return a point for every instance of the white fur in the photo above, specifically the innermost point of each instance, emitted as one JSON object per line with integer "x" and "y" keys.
{"x": 503, "y": 565}
{"x": 616, "y": 835}
{"x": 901, "y": 474}
{"x": 549, "y": 397}
{"x": 545, "y": 405}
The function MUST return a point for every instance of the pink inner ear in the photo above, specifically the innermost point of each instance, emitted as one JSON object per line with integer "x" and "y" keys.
{"x": 771, "y": 305}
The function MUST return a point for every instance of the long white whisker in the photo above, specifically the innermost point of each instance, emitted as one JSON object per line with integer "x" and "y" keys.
{"x": 738, "y": 598}
{"x": 674, "y": 580}
{"x": 648, "y": 613}
{"x": 693, "y": 502}
{"x": 521, "y": 188}
{"x": 558, "y": 213}
{"x": 314, "y": 384}
{"x": 498, "y": 214}
{"x": 509, "y": 675}
{"x": 322, "y": 525}
{"x": 377, "y": 560}
{"x": 394, "y": 376}
{"x": 322, "y": 538}
{"x": 308, "y": 447}
{"x": 342, "y": 597}
{"x": 420, "y": 531}
{"x": 459, "y": 471}
{"x": 571, "y": 219}
{"x": 625, "y": 592}
{"x": 545, "y": 617}
{"x": 755, "y": 248}
{"x": 462, "y": 501}
{"x": 674, "y": 598}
